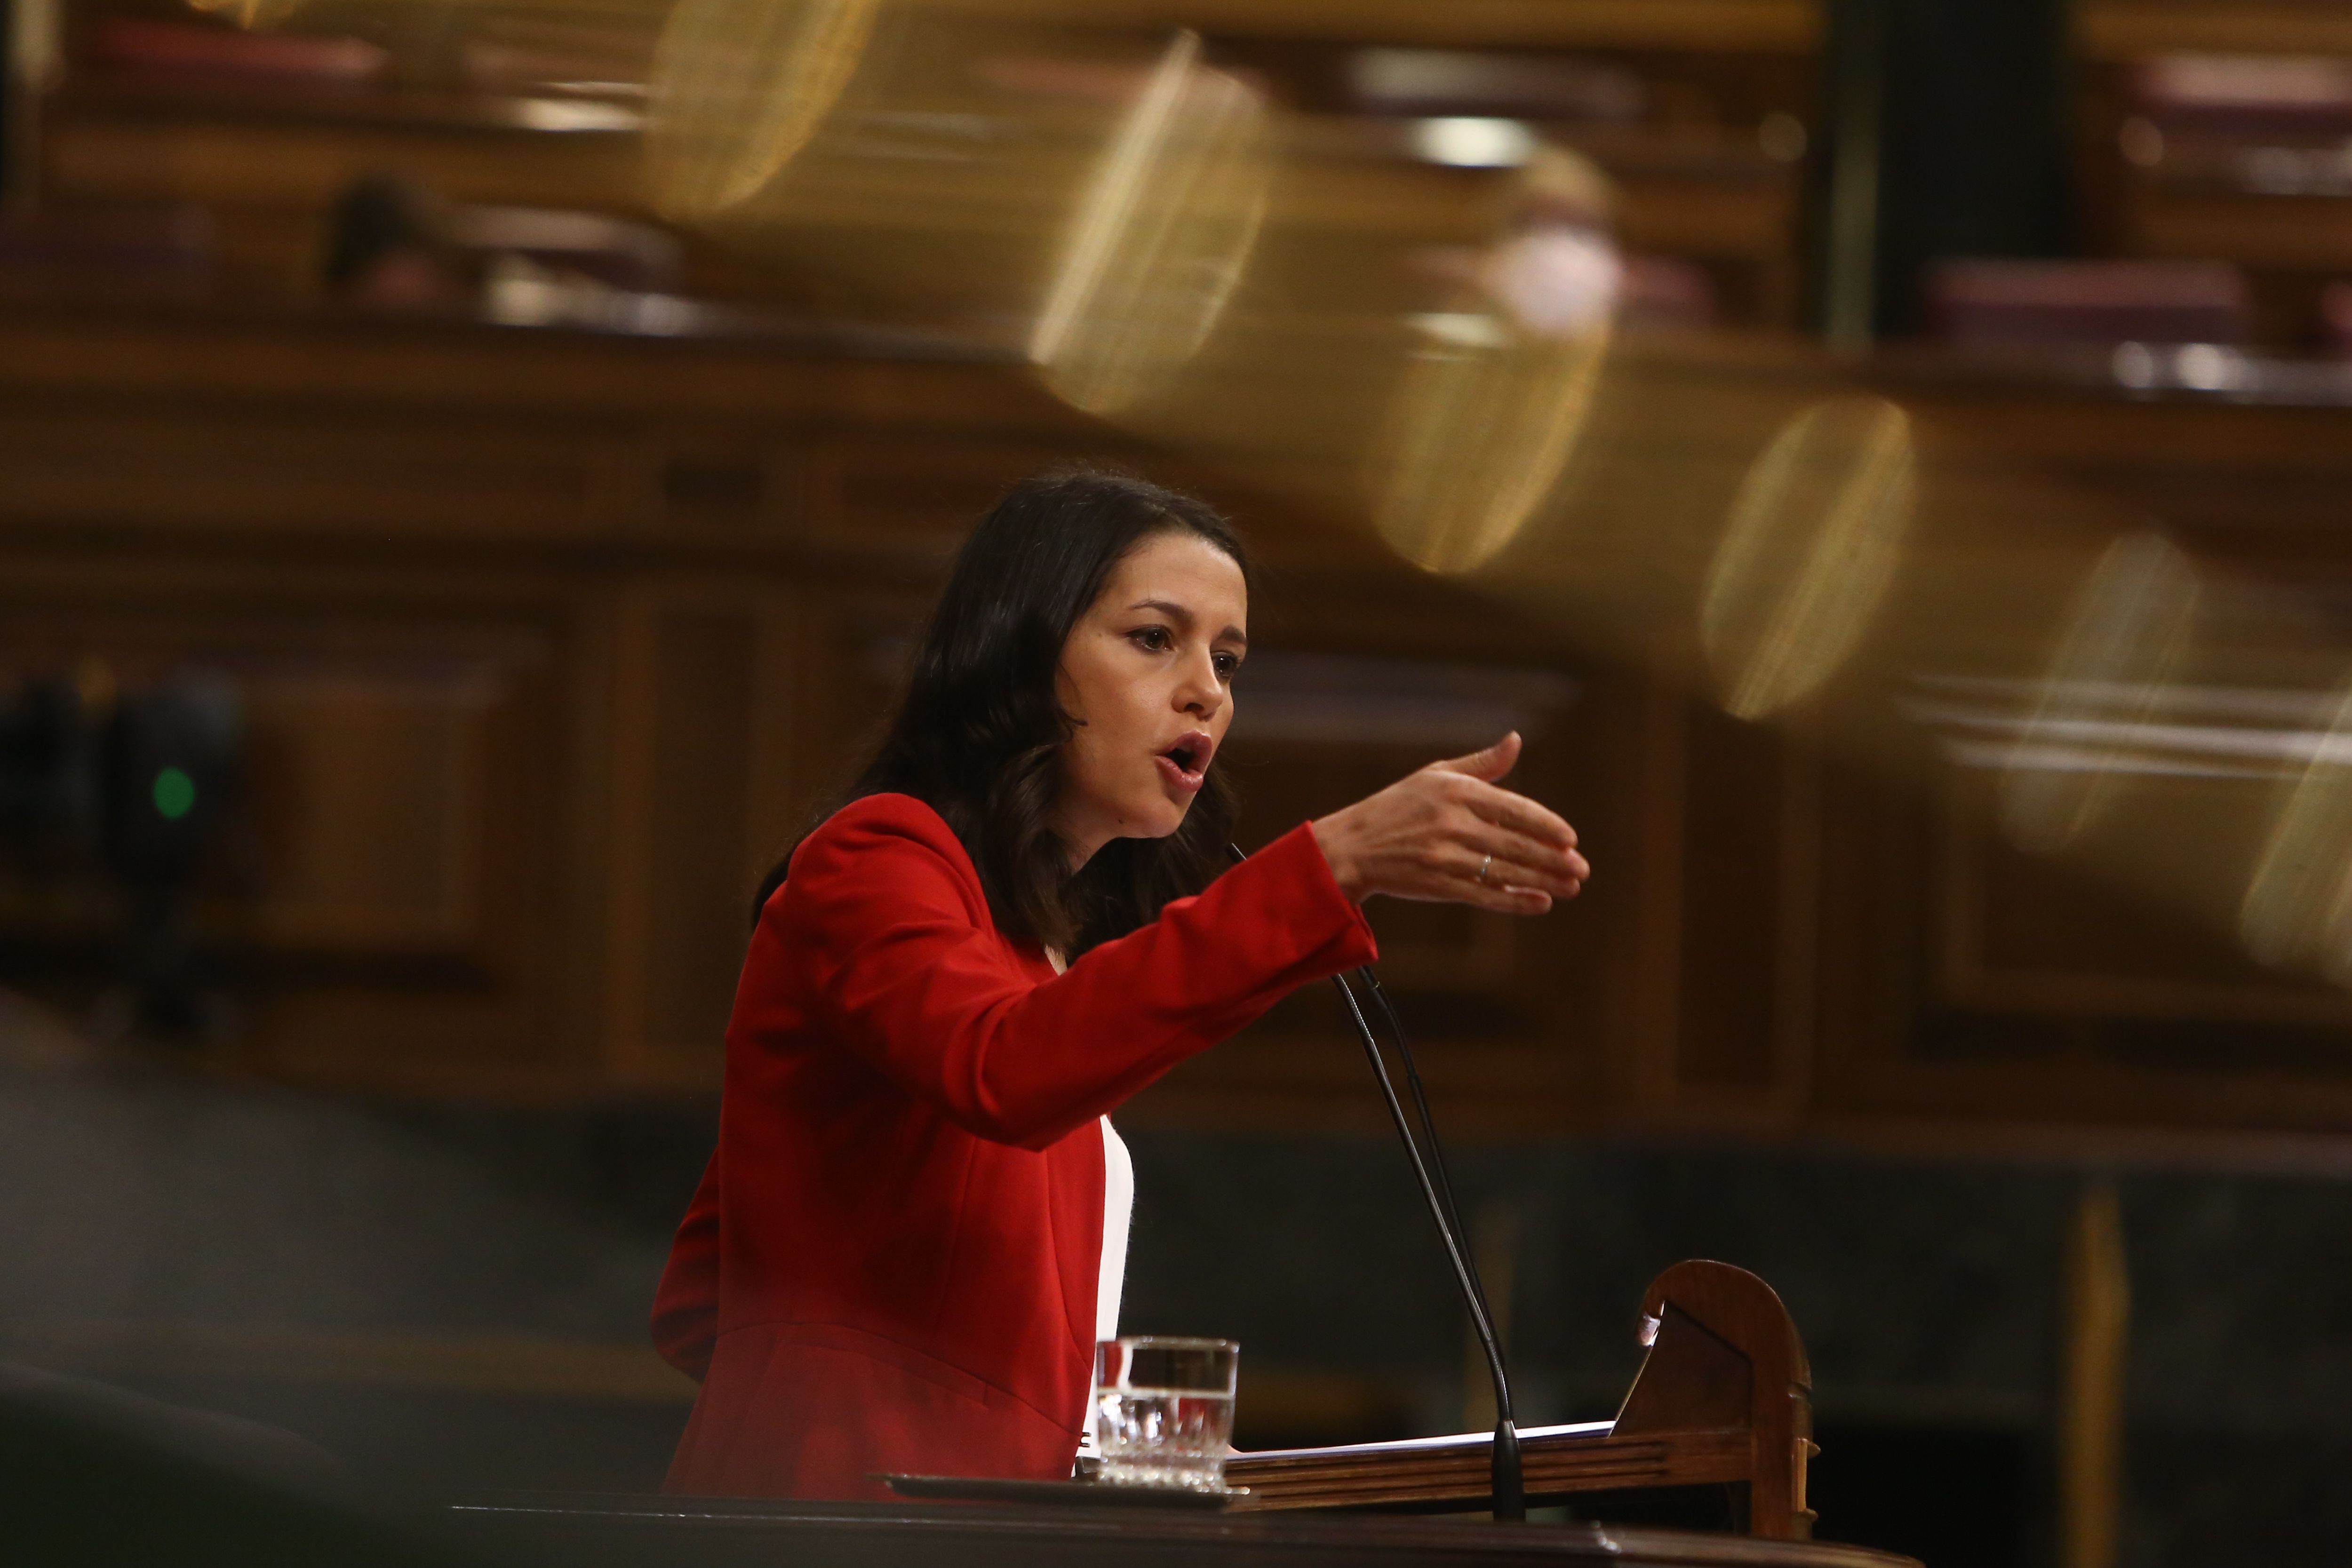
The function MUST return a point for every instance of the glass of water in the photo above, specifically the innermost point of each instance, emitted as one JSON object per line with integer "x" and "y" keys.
{"x": 1164, "y": 1410}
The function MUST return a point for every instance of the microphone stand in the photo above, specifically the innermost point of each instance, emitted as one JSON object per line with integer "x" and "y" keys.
{"x": 1506, "y": 1473}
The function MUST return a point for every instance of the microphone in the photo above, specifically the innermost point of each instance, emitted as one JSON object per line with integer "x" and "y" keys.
{"x": 1506, "y": 1477}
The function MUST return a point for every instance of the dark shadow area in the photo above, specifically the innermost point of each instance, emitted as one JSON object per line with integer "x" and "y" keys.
{"x": 1953, "y": 1496}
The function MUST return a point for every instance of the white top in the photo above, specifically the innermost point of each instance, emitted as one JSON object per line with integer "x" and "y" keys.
{"x": 1118, "y": 1210}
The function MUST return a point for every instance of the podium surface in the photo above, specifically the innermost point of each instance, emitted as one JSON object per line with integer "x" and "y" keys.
{"x": 721, "y": 1532}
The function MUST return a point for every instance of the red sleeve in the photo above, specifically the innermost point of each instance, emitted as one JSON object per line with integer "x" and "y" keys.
{"x": 882, "y": 907}
{"x": 686, "y": 1307}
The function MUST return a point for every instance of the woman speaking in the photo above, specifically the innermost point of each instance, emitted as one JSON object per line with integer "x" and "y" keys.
{"x": 914, "y": 1227}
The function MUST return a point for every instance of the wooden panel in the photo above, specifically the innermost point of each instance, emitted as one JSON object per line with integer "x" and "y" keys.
{"x": 97, "y": 155}
{"x": 856, "y": 648}
{"x": 382, "y": 794}
{"x": 508, "y": 1019}
{"x": 2264, "y": 231}
{"x": 1792, "y": 26}
{"x": 259, "y": 470}
{"x": 915, "y": 500}
{"x": 2024, "y": 994}
{"x": 715, "y": 483}
{"x": 2122, "y": 30}
{"x": 2022, "y": 932}
{"x": 1723, "y": 945}
{"x": 704, "y": 664}
{"x": 1743, "y": 208}
{"x": 1733, "y": 875}
{"x": 267, "y": 165}
{"x": 709, "y": 738}
{"x": 366, "y": 791}
{"x": 710, "y": 481}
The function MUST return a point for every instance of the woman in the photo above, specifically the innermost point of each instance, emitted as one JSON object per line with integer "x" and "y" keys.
{"x": 911, "y": 1233}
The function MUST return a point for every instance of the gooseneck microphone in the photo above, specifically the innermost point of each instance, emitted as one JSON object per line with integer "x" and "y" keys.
{"x": 1506, "y": 1477}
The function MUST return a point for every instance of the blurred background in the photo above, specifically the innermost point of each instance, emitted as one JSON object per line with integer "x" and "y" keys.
{"x": 470, "y": 471}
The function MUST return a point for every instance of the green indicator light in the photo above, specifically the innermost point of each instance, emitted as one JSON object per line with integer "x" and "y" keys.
{"x": 175, "y": 794}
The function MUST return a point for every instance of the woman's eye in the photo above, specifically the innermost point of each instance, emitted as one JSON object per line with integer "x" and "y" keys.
{"x": 1226, "y": 665}
{"x": 1151, "y": 638}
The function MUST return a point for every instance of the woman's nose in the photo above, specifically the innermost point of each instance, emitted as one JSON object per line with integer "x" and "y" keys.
{"x": 1199, "y": 692}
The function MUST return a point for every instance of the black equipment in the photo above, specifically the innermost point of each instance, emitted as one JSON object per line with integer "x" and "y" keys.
{"x": 137, "y": 786}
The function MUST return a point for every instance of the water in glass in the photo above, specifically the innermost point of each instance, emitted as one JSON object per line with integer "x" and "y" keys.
{"x": 1164, "y": 1410}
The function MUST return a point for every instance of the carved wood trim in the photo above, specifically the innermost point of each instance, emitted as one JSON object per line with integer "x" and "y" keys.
{"x": 1716, "y": 1322}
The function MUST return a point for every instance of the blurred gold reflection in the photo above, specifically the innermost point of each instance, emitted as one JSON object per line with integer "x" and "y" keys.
{"x": 1813, "y": 538}
{"x": 738, "y": 87}
{"x": 2123, "y": 640}
{"x": 2297, "y": 910}
{"x": 1485, "y": 420}
{"x": 1158, "y": 239}
{"x": 254, "y": 16}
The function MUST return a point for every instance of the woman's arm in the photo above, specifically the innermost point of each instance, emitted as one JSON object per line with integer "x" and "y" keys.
{"x": 881, "y": 912}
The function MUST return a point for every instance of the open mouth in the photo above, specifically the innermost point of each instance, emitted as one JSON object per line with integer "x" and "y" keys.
{"x": 1187, "y": 761}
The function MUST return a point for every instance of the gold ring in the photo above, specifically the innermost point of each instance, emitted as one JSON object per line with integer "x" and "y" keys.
{"x": 1483, "y": 867}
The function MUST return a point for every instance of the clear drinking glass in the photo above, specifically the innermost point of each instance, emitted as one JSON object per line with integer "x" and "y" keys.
{"x": 1164, "y": 1410}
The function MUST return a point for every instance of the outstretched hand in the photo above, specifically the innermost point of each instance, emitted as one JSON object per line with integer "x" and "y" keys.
{"x": 1449, "y": 833}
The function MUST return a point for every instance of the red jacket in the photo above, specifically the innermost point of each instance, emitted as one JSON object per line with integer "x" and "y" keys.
{"x": 890, "y": 1265}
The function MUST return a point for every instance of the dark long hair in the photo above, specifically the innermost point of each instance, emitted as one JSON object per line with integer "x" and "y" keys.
{"x": 979, "y": 733}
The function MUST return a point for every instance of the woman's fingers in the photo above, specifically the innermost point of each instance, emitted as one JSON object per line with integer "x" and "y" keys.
{"x": 1520, "y": 862}
{"x": 1502, "y": 897}
{"x": 1451, "y": 876}
{"x": 1516, "y": 829}
{"x": 1516, "y": 813}
{"x": 1521, "y": 847}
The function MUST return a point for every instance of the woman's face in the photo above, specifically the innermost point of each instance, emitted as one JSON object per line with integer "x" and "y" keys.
{"x": 1147, "y": 674}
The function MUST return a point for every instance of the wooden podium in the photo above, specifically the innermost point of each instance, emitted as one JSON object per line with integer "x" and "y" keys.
{"x": 1723, "y": 1399}
{"x": 1721, "y": 1409}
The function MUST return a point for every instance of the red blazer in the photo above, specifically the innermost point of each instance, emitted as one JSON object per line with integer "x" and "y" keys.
{"x": 891, "y": 1263}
